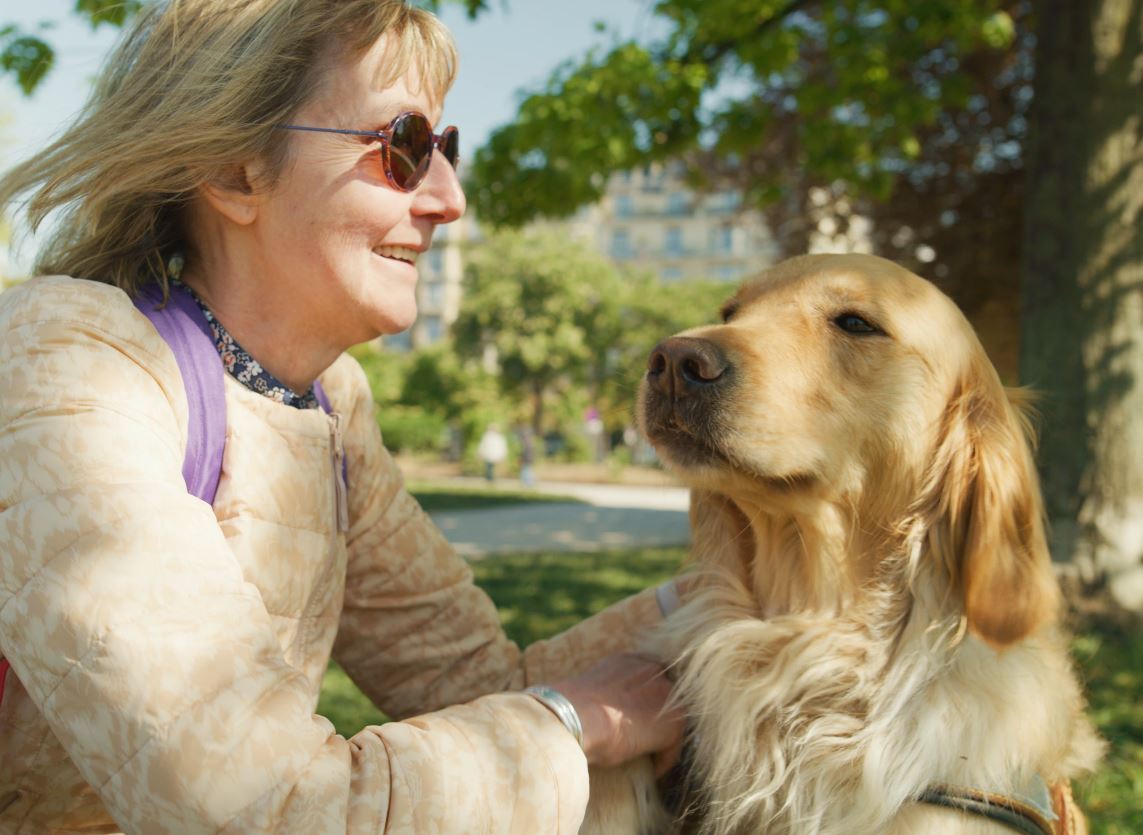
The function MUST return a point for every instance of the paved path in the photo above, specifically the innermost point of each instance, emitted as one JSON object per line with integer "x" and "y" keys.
{"x": 614, "y": 517}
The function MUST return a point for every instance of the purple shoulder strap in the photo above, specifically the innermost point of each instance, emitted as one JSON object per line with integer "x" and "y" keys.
{"x": 323, "y": 401}
{"x": 186, "y": 331}
{"x": 319, "y": 393}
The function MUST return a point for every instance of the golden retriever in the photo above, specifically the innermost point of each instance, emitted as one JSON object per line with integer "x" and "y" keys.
{"x": 876, "y": 619}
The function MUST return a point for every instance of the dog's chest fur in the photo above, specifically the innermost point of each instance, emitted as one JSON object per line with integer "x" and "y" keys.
{"x": 804, "y": 723}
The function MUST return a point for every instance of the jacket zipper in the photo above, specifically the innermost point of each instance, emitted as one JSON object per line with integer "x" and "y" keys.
{"x": 341, "y": 493}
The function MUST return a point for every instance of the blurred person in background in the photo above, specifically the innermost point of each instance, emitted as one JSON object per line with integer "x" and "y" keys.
{"x": 527, "y": 457}
{"x": 493, "y": 450}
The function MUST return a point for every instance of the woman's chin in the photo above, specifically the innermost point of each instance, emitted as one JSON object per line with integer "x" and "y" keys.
{"x": 388, "y": 310}
{"x": 392, "y": 322}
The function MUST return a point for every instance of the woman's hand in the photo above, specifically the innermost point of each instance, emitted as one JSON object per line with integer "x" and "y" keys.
{"x": 622, "y": 705}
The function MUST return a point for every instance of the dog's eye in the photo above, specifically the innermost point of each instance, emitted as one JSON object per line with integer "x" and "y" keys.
{"x": 852, "y": 323}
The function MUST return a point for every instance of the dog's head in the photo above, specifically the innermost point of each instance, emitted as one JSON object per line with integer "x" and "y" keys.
{"x": 847, "y": 383}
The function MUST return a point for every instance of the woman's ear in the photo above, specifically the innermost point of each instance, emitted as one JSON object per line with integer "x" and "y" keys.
{"x": 234, "y": 193}
{"x": 989, "y": 528}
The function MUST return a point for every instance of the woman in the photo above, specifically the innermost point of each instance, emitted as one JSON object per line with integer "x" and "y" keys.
{"x": 166, "y": 655}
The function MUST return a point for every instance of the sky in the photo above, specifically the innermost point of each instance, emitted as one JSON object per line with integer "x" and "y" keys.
{"x": 512, "y": 47}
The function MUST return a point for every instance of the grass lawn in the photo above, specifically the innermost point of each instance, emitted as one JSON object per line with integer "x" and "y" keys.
{"x": 541, "y": 594}
{"x": 1111, "y": 662}
{"x": 434, "y": 497}
{"x": 570, "y": 586}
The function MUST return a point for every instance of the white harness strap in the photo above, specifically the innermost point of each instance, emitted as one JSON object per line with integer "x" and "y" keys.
{"x": 668, "y": 597}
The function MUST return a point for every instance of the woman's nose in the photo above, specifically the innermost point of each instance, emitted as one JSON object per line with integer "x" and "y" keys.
{"x": 440, "y": 197}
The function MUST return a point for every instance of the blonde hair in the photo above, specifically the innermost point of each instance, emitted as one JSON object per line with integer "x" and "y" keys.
{"x": 193, "y": 89}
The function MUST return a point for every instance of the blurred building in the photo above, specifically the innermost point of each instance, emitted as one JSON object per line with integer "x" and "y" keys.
{"x": 438, "y": 285}
{"x": 648, "y": 220}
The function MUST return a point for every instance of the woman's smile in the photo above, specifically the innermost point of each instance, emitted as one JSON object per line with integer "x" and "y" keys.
{"x": 397, "y": 253}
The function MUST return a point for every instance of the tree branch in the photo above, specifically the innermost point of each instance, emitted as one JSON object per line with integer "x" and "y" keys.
{"x": 709, "y": 53}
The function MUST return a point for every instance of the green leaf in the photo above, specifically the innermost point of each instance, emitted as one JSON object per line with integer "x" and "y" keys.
{"x": 998, "y": 30}
{"x": 114, "y": 12}
{"x": 29, "y": 58}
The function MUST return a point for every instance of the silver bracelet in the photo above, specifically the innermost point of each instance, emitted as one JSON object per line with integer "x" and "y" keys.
{"x": 558, "y": 703}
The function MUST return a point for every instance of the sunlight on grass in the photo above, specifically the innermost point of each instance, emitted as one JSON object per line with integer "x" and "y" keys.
{"x": 1111, "y": 661}
{"x": 344, "y": 705}
{"x": 437, "y": 497}
{"x": 537, "y": 596}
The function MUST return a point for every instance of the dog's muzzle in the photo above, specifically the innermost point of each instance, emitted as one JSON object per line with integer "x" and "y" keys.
{"x": 683, "y": 366}
{"x": 683, "y": 400}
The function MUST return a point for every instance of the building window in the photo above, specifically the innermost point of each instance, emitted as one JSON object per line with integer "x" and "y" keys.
{"x": 434, "y": 294}
{"x": 400, "y": 342}
{"x": 621, "y": 244}
{"x": 678, "y": 203}
{"x": 624, "y": 205}
{"x": 670, "y": 275}
{"x": 724, "y": 202}
{"x": 674, "y": 241}
{"x": 434, "y": 329}
{"x": 722, "y": 240}
{"x": 652, "y": 179}
{"x": 436, "y": 260}
{"x": 726, "y": 272}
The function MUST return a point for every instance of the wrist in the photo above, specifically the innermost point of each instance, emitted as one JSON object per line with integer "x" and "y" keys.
{"x": 562, "y": 707}
{"x": 595, "y": 719}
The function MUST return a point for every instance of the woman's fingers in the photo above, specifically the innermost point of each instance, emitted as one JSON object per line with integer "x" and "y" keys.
{"x": 665, "y": 760}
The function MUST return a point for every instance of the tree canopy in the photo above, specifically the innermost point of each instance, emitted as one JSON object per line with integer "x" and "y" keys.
{"x": 556, "y": 316}
{"x": 532, "y": 300}
{"x": 846, "y": 90}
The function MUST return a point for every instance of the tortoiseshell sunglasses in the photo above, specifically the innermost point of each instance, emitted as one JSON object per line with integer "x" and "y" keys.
{"x": 407, "y": 145}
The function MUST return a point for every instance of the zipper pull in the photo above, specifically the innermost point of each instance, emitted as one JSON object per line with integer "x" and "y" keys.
{"x": 341, "y": 492}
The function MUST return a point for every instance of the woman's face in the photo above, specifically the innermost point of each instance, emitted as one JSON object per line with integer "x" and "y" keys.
{"x": 332, "y": 232}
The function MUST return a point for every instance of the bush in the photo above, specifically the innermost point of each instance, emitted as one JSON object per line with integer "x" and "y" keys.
{"x": 385, "y": 370}
{"x": 411, "y": 429}
{"x": 577, "y": 449}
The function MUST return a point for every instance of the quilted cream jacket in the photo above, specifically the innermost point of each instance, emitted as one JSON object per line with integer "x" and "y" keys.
{"x": 167, "y": 656}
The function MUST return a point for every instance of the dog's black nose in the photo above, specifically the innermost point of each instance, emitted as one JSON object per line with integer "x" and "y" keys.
{"x": 682, "y": 366}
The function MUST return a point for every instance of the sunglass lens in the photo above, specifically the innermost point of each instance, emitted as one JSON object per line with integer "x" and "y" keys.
{"x": 410, "y": 150}
{"x": 450, "y": 145}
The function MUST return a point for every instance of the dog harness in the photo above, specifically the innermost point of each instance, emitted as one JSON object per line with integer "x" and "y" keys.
{"x": 1031, "y": 811}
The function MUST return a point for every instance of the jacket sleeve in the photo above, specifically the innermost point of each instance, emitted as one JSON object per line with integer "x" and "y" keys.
{"x": 129, "y": 623}
{"x": 416, "y": 633}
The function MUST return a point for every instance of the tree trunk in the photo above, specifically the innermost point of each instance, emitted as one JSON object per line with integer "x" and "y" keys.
{"x": 1082, "y": 289}
{"x": 538, "y": 409}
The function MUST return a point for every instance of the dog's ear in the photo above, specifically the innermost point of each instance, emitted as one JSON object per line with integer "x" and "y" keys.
{"x": 989, "y": 526}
